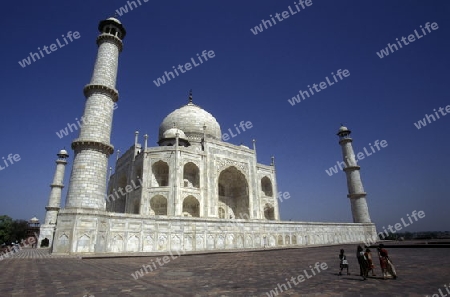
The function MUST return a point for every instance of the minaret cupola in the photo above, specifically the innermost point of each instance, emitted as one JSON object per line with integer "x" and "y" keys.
{"x": 112, "y": 26}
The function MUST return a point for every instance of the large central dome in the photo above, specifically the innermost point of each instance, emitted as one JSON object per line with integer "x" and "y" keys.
{"x": 190, "y": 119}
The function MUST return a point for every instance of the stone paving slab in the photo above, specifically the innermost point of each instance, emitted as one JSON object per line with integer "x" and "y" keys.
{"x": 421, "y": 272}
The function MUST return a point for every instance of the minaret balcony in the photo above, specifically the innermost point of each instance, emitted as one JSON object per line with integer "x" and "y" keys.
{"x": 351, "y": 168}
{"x": 91, "y": 89}
{"x": 357, "y": 195}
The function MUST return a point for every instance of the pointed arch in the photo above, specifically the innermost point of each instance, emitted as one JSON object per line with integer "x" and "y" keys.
{"x": 266, "y": 186}
{"x": 280, "y": 240}
{"x": 160, "y": 174}
{"x": 158, "y": 205}
{"x": 287, "y": 240}
{"x": 233, "y": 193}
{"x": 191, "y": 207}
{"x": 191, "y": 175}
{"x": 83, "y": 244}
{"x": 117, "y": 243}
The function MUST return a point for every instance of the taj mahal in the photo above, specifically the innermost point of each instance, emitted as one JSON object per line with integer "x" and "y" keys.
{"x": 192, "y": 192}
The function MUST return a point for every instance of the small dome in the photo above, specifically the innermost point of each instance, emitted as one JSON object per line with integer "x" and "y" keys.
{"x": 62, "y": 152}
{"x": 343, "y": 131}
{"x": 115, "y": 22}
{"x": 114, "y": 19}
{"x": 191, "y": 118}
{"x": 34, "y": 220}
{"x": 172, "y": 133}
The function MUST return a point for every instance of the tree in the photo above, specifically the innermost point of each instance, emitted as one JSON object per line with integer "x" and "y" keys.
{"x": 6, "y": 229}
{"x": 12, "y": 231}
{"x": 19, "y": 230}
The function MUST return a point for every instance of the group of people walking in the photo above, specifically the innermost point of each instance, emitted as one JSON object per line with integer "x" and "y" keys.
{"x": 366, "y": 264}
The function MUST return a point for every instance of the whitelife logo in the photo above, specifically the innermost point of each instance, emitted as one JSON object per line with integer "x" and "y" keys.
{"x": 72, "y": 127}
{"x": 359, "y": 156}
{"x": 11, "y": 158}
{"x": 397, "y": 226}
{"x": 411, "y": 38}
{"x": 297, "y": 279}
{"x": 447, "y": 288}
{"x": 247, "y": 124}
{"x": 423, "y": 123}
{"x": 150, "y": 267}
{"x": 33, "y": 56}
{"x": 187, "y": 66}
{"x": 323, "y": 85}
{"x": 285, "y": 14}
{"x": 124, "y": 9}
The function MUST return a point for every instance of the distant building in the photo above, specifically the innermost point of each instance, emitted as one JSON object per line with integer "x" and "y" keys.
{"x": 33, "y": 228}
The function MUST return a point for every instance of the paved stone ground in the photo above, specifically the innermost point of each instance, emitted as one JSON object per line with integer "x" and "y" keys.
{"x": 29, "y": 253}
{"x": 421, "y": 272}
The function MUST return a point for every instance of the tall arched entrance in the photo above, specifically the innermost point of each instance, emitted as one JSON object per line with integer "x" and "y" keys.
{"x": 233, "y": 194}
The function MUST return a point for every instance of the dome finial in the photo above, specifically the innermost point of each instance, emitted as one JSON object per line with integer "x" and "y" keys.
{"x": 190, "y": 96}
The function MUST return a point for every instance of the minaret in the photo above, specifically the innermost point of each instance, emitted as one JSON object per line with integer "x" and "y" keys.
{"x": 54, "y": 201}
{"x": 87, "y": 186}
{"x": 355, "y": 187}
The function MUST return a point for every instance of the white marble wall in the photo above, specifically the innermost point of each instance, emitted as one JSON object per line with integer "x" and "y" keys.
{"x": 124, "y": 233}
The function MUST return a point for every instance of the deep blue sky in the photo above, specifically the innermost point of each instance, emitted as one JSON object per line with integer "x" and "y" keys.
{"x": 250, "y": 78}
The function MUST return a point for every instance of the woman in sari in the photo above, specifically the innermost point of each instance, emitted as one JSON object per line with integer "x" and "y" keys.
{"x": 386, "y": 265}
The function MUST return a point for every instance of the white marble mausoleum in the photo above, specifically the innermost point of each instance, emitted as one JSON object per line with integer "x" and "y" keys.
{"x": 192, "y": 192}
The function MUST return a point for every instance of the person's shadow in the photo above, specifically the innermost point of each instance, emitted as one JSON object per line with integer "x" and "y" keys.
{"x": 352, "y": 276}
